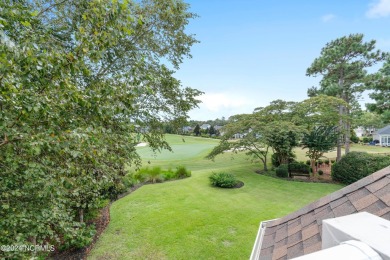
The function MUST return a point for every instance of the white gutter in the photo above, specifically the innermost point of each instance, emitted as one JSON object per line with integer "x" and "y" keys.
{"x": 259, "y": 240}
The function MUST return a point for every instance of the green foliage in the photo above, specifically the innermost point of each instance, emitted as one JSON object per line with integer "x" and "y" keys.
{"x": 343, "y": 64}
{"x": 223, "y": 180}
{"x": 182, "y": 172}
{"x": 156, "y": 174}
{"x": 380, "y": 83}
{"x": 78, "y": 85}
{"x": 320, "y": 140}
{"x": 197, "y": 130}
{"x": 354, "y": 137}
{"x": 298, "y": 167}
{"x": 282, "y": 171}
{"x": 320, "y": 172}
{"x": 275, "y": 159}
{"x": 357, "y": 165}
{"x": 367, "y": 139}
{"x": 151, "y": 175}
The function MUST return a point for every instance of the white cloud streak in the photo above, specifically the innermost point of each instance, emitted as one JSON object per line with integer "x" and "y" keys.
{"x": 328, "y": 17}
{"x": 378, "y": 9}
{"x": 216, "y": 105}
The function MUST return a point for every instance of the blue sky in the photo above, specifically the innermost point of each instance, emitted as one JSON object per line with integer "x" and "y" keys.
{"x": 252, "y": 52}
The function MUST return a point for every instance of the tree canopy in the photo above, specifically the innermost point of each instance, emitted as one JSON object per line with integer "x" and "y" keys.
{"x": 380, "y": 83}
{"x": 80, "y": 82}
{"x": 342, "y": 64}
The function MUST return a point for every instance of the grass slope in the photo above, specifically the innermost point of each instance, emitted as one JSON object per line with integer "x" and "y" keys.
{"x": 189, "y": 219}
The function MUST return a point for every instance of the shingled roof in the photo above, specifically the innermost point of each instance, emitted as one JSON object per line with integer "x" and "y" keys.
{"x": 383, "y": 131}
{"x": 300, "y": 232}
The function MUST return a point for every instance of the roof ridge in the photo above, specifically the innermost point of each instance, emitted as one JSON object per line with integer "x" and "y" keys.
{"x": 334, "y": 196}
{"x": 379, "y": 131}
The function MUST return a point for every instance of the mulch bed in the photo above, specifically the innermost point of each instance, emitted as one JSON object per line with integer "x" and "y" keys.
{"x": 238, "y": 185}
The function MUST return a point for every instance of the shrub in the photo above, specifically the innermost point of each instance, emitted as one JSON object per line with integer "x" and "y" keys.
{"x": 275, "y": 159}
{"x": 367, "y": 139}
{"x": 129, "y": 180}
{"x": 223, "y": 180}
{"x": 299, "y": 167}
{"x": 327, "y": 162}
{"x": 357, "y": 165}
{"x": 149, "y": 175}
{"x": 182, "y": 172}
{"x": 282, "y": 171}
{"x": 308, "y": 162}
{"x": 320, "y": 172}
{"x": 169, "y": 174}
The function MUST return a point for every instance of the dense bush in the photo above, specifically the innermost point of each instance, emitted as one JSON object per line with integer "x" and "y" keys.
{"x": 357, "y": 165}
{"x": 182, "y": 172}
{"x": 223, "y": 180}
{"x": 299, "y": 167}
{"x": 320, "y": 172}
{"x": 156, "y": 174}
{"x": 282, "y": 171}
{"x": 275, "y": 159}
{"x": 367, "y": 139}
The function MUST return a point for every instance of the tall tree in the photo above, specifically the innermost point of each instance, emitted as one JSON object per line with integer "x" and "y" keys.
{"x": 380, "y": 83}
{"x": 80, "y": 80}
{"x": 342, "y": 63}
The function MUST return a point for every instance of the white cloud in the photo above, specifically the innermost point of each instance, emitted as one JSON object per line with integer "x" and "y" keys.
{"x": 218, "y": 101}
{"x": 328, "y": 17}
{"x": 379, "y": 8}
{"x": 216, "y": 105}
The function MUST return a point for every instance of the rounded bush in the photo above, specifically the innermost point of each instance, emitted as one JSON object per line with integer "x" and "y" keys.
{"x": 299, "y": 167}
{"x": 320, "y": 172}
{"x": 357, "y": 165}
{"x": 223, "y": 180}
{"x": 282, "y": 171}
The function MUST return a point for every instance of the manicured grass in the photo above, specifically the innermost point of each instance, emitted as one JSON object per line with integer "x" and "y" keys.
{"x": 301, "y": 153}
{"x": 190, "y": 219}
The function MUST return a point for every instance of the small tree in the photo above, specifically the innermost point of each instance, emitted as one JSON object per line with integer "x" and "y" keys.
{"x": 211, "y": 130}
{"x": 252, "y": 143}
{"x": 197, "y": 130}
{"x": 319, "y": 140}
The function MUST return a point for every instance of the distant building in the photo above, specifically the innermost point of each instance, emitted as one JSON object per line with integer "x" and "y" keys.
{"x": 187, "y": 129}
{"x": 361, "y": 131}
{"x": 383, "y": 135}
{"x": 205, "y": 126}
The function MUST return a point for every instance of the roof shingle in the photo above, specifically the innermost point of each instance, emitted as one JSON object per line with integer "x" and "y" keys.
{"x": 300, "y": 232}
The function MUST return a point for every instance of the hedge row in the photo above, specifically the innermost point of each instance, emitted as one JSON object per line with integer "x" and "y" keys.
{"x": 357, "y": 165}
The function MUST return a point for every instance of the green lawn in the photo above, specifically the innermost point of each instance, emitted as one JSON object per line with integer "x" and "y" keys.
{"x": 301, "y": 154}
{"x": 189, "y": 219}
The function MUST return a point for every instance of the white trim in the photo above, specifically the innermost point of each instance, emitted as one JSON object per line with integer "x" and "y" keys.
{"x": 255, "y": 255}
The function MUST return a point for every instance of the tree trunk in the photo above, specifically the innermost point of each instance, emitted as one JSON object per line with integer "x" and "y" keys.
{"x": 341, "y": 123}
{"x": 81, "y": 215}
{"x": 313, "y": 167}
{"x": 340, "y": 130}
{"x": 347, "y": 132}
